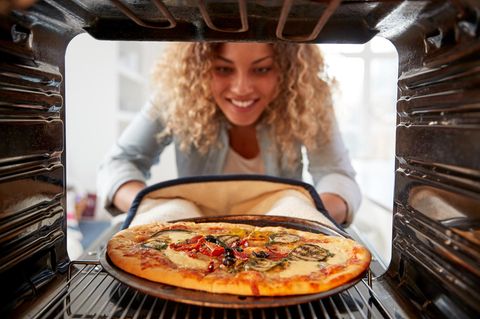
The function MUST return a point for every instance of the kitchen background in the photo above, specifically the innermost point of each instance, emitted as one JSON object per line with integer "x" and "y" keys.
{"x": 107, "y": 82}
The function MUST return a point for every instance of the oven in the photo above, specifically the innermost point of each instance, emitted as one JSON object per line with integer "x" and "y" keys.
{"x": 434, "y": 271}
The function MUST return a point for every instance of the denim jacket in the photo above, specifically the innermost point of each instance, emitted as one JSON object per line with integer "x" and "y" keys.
{"x": 139, "y": 148}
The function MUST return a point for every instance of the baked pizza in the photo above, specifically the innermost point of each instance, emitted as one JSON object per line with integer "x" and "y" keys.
{"x": 238, "y": 259}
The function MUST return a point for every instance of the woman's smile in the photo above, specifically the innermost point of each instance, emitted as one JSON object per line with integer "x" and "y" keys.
{"x": 242, "y": 104}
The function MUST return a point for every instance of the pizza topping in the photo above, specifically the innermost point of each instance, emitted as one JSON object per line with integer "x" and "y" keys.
{"x": 213, "y": 239}
{"x": 155, "y": 244}
{"x": 174, "y": 234}
{"x": 260, "y": 254}
{"x": 264, "y": 264}
{"x": 258, "y": 238}
{"x": 230, "y": 240}
{"x": 300, "y": 268}
{"x": 275, "y": 254}
{"x": 211, "y": 266}
{"x": 193, "y": 243}
{"x": 211, "y": 249}
{"x": 228, "y": 261}
{"x": 260, "y": 264}
{"x": 309, "y": 252}
{"x": 284, "y": 238}
{"x": 242, "y": 244}
{"x": 185, "y": 260}
{"x": 240, "y": 254}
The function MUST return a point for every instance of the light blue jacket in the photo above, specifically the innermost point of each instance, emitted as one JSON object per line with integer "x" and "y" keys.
{"x": 138, "y": 149}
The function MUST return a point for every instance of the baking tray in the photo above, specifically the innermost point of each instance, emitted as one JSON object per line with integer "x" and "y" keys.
{"x": 202, "y": 298}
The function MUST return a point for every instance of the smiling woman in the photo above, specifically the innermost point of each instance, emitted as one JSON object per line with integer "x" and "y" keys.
{"x": 236, "y": 108}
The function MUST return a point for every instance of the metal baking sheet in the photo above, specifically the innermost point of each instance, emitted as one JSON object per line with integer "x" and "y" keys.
{"x": 202, "y": 298}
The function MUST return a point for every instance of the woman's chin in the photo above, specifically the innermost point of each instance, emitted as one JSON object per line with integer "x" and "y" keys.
{"x": 243, "y": 120}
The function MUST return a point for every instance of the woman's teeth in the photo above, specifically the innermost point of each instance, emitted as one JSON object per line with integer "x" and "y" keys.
{"x": 243, "y": 104}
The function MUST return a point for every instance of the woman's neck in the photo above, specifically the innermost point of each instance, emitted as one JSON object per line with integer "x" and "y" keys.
{"x": 243, "y": 140}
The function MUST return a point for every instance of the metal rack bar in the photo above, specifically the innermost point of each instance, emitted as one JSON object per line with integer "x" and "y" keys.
{"x": 150, "y": 312}
{"x": 286, "y": 7}
{"x": 56, "y": 301}
{"x": 92, "y": 305}
{"x": 105, "y": 304}
{"x": 374, "y": 297}
{"x": 171, "y": 23}
{"x": 117, "y": 304}
{"x": 124, "y": 314}
{"x": 345, "y": 305}
{"x": 300, "y": 312}
{"x": 312, "y": 311}
{"x": 242, "y": 8}
{"x": 69, "y": 302}
{"x": 356, "y": 304}
{"x": 85, "y": 291}
{"x": 137, "y": 312}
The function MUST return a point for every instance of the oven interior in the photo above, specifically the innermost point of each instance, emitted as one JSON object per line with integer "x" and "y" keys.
{"x": 435, "y": 246}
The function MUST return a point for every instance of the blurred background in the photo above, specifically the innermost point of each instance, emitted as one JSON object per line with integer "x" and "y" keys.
{"x": 107, "y": 82}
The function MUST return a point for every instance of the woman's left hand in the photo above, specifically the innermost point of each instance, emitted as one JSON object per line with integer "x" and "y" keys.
{"x": 336, "y": 206}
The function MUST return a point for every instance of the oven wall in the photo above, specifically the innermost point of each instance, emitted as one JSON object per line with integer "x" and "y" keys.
{"x": 32, "y": 163}
{"x": 437, "y": 192}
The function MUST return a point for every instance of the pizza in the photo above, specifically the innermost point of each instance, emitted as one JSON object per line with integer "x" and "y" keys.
{"x": 239, "y": 259}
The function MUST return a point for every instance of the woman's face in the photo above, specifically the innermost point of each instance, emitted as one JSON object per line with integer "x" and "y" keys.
{"x": 244, "y": 81}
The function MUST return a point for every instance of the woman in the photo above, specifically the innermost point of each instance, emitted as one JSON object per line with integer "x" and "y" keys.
{"x": 237, "y": 108}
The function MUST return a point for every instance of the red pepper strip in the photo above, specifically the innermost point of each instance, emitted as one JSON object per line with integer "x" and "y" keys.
{"x": 243, "y": 243}
{"x": 191, "y": 244}
{"x": 211, "y": 249}
{"x": 275, "y": 255}
{"x": 240, "y": 255}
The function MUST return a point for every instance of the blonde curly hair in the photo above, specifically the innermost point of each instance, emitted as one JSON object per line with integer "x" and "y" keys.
{"x": 301, "y": 112}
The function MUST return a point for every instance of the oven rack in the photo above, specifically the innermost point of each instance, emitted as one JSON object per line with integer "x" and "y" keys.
{"x": 90, "y": 292}
{"x": 168, "y": 21}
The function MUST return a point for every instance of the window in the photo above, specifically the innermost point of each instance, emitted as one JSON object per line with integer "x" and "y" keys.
{"x": 365, "y": 106}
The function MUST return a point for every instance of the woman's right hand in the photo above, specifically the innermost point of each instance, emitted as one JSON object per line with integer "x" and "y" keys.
{"x": 126, "y": 193}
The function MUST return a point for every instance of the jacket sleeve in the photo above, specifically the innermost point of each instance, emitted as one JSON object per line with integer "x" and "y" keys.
{"x": 332, "y": 172}
{"x": 131, "y": 157}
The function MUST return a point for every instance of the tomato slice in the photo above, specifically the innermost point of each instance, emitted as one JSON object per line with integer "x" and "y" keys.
{"x": 276, "y": 255}
{"x": 193, "y": 243}
{"x": 211, "y": 249}
{"x": 240, "y": 255}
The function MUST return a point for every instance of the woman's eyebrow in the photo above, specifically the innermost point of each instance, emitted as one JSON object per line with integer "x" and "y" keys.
{"x": 254, "y": 62}
{"x": 262, "y": 59}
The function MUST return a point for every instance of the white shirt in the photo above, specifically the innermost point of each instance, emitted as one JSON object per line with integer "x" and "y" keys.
{"x": 237, "y": 164}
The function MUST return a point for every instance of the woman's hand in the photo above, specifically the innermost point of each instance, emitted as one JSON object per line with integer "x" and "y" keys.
{"x": 336, "y": 206}
{"x": 126, "y": 193}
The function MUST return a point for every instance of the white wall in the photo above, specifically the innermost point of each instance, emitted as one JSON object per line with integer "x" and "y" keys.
{"x": 93, "y": 118}
{"x": 91, "y": 95}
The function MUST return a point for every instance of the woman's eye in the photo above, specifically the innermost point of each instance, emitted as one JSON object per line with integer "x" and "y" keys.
{"x": 262, "y": 70}
{"x": 223, "y": 70}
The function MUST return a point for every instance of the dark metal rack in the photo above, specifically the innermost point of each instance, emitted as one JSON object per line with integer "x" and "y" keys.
{"x": 90, "y": 292}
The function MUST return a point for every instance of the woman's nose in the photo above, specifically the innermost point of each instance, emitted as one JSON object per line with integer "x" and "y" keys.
{"x": 242, "y": 84}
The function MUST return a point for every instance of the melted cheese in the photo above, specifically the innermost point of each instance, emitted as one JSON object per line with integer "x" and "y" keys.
{"x": 299, "y": 268}
{"x": 181, "y": 259}
{"x": 339, "y": 256}
{"x": 178, "y": 236}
